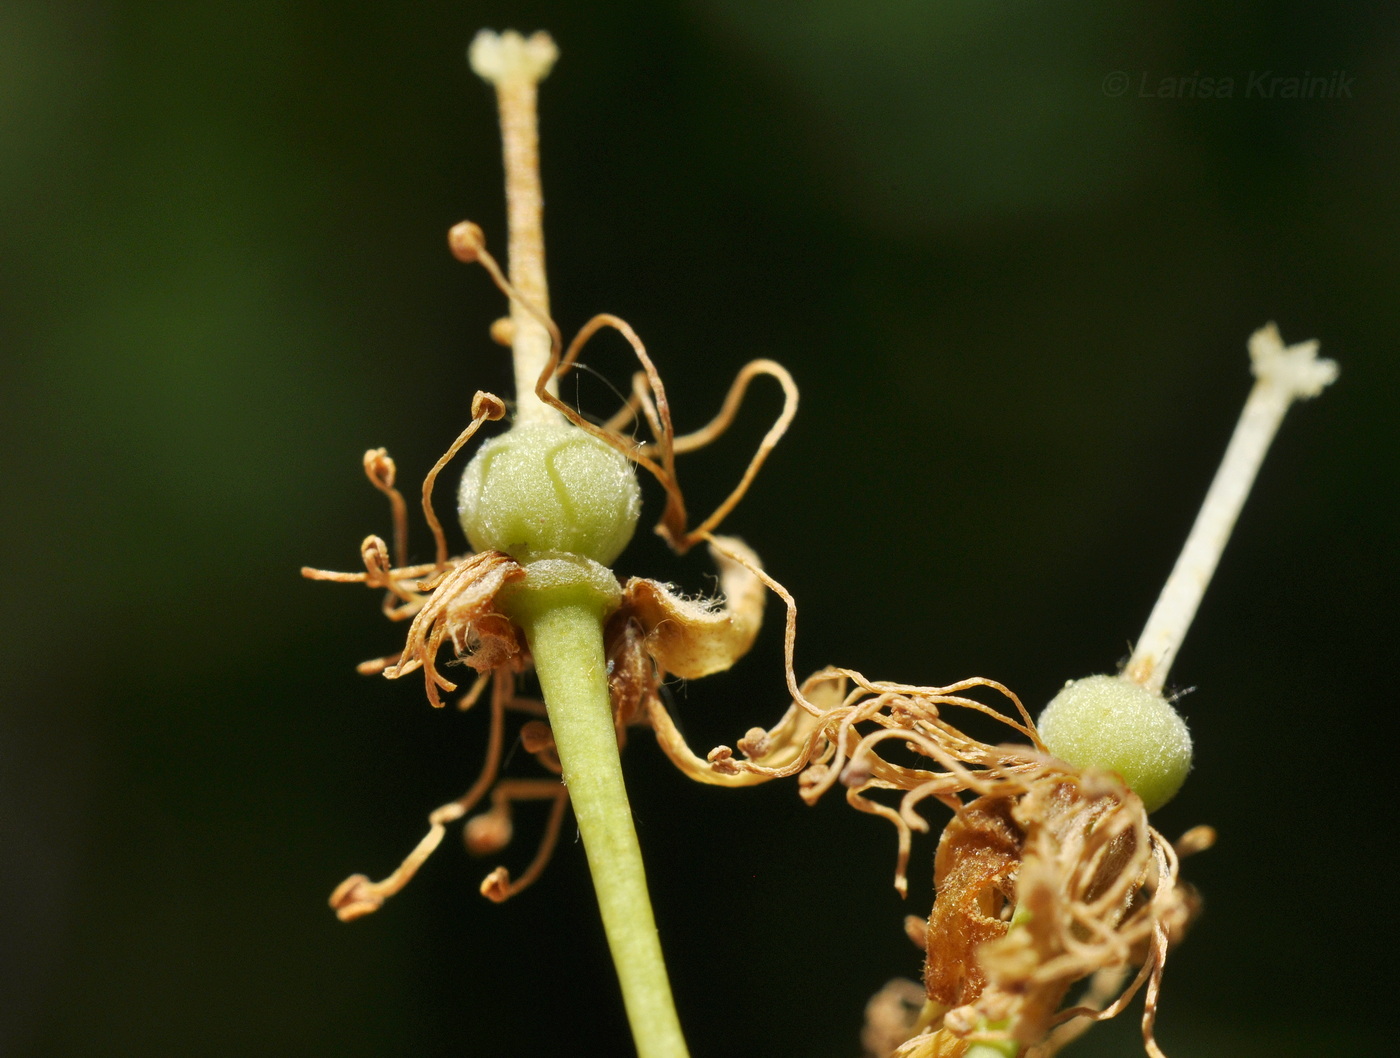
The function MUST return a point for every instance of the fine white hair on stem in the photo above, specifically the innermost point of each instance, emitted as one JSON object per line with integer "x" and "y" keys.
{"x": 1282, "y": 375}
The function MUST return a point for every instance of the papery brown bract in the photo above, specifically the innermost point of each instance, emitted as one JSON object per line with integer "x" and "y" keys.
{"x": 975, "y": 877}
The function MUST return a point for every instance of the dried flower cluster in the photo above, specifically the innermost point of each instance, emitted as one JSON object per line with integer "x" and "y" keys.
{"x": 1046, "y": 876}
{"x": 455, "y": 602}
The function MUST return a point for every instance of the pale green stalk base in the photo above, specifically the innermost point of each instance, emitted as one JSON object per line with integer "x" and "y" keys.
{"x": 566, "y": 638}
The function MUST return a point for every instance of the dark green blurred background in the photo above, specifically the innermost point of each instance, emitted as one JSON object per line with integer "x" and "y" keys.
{"x": 1017, "y": 306}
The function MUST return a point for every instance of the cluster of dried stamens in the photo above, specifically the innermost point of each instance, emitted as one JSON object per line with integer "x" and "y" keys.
{"x": 1046, "y": 876}
{"x": 454, "y": 601}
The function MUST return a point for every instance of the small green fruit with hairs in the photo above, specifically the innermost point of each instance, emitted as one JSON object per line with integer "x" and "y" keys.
{"x": 1113, "y": 723}
{"x": 548, "y": 488}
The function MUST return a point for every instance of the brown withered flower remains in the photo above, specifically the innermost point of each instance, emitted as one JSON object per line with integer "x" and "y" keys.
{"x": 452, "y": 603}
{"x": 1046, "y": 875}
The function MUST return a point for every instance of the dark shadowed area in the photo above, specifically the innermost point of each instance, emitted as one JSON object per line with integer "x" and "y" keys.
{"x": 1011, "y": 253}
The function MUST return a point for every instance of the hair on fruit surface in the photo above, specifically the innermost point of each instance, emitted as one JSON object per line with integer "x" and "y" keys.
{"x": 1111, "y": 722}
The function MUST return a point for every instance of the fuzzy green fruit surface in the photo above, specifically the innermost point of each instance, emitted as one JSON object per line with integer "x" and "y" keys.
{"x": 1112, "y": 723}
{"x": 549, "y": 488}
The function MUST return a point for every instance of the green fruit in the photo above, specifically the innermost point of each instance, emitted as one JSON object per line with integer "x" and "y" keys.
{"x": 1113, "y": 723}
{"x": 549, "y": 488}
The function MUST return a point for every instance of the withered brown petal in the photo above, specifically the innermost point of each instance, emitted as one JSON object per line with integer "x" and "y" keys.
{"x": 974, "y": 874}
{"x": 693, "y": 639}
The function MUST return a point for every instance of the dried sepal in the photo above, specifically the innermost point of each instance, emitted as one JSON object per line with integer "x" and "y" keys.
{"x": 633, "y": 678}
{"x": 1078, "y": 862}
{"x": 461, "y": 611}
{"x": 975, "y": 871}
{"x": 694, "y": 638}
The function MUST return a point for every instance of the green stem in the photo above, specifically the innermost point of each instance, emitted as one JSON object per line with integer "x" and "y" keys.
{"x": 565, "y": 632}
{"x": 997, "y": 1049}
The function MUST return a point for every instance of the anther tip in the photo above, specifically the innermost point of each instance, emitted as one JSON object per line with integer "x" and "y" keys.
{"x": 488, "y": 406}
{"x": 466, "y": 240}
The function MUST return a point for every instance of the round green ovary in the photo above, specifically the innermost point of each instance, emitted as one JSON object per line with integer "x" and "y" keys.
{"x": 549, "y": 488}
{"x": 1112, "y": 723}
